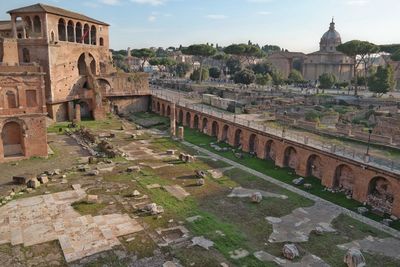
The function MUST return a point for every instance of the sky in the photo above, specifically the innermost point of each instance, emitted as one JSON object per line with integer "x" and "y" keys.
{"x": 296, "y": 25}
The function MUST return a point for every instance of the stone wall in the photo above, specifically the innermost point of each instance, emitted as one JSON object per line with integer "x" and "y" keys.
{"x": 127, "y": 105}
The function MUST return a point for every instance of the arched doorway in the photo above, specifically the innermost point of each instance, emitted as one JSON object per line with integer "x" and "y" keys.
{"x": 168, "y": 111}
{"x": 12, "y": 138}
{"x": 180, "y": 116}
{"x": 290, "y": 159}
{"x": 314, "y": 166}
{"x": 380, "y": 194}
{"x": 204, "y": 127}
{"x": 188, "y": 118}
{"x": 158, "y": 107}
{"x": 196, "y": 122}
{"x": 270, "y": 150}
{"x": 225, "y": 132}
{"x": 253, "y": 142}
{"x": 163, "y": 110}
{"x": 86, "y": 112}
{"x": 214, "y": 129}
{"x": 238, "y": 138}
{"x": 82, "y": 67}
{"x": 344, "y": 178}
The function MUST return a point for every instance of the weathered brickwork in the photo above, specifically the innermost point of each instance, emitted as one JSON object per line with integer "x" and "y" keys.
{"x": 365, "y": 183}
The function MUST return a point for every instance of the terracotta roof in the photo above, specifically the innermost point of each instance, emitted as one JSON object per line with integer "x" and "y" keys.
{"x": 42, "y": 8}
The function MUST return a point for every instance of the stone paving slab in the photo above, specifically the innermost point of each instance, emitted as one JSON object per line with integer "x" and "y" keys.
{"x": 177, "y": 191}
{"x": 244, "y": 192}
{"x": 308, "y": 260}
{"x": 297, "y": 226}
{"x": 40, "y": 219}
{"x": 389, "y": 247}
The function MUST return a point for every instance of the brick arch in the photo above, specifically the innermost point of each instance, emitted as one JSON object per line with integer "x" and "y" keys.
{"x": 215, "y": 129}
{"x": 314, "y": 166}
{"x": 168, "y": 110}
{"x": 12, "y": 138}
{"x": 163, "y": 109}
{"x": 343, "y": 178}
{"x": 158, "y": 107}
{"x": 204, "y": 125}
{"x": 237, "y": 141}
{"x": 270, "y": 150}
{"x": 253, "y": 143}
{"x": 188, "y": 119}
{"x": 290, "y": 158}
{"x": 196, "y": 122}
{"x": 225, "y": 133}
{"x": 380, "y": 194}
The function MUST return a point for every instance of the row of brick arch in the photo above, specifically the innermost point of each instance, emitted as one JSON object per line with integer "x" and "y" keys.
{"x": 364, "y": 185}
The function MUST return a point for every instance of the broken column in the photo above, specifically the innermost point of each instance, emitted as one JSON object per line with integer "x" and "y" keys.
{"x": 180, "y": 133}
{"x": 173, "y": 120}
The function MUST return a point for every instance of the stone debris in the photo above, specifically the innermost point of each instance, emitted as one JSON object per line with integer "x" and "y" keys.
{"x": 256, "y": 197}
{"x": 92, "y": 199}
{"x": 202, "y": 242}
{"x": 43, "y": 179}
{"x": 186, "y": 158}
{"x": 247, "y": 193}
{"x": 40, "y": 219}
{"x": 76, "y": 186}
{"x": 93, "y": 173}
{"x": 177, "y": 191}
{"x": 389, "y": 247}
{"x": 153, "y": 186}
{"x": 133, "y": 169}
{"x": 362, "y": 210}
{"x": 194, "y": 218}
{"x": 153, "y": 208}
{"x": 307, "y": 186}
{"x": 200, "y": 174}
{"x": 33, "y": 183}
{"x": 290, "y": 251}
{"x": 169, "y": 264}
{"x": 22, "y": 179}
{"x": 171, "y": 152}
{"x": 173, "y": 235}
{"x": 238, "y": 254}
{"x": 309, "y": 260}
{"x": 297, "y": 226}
{"x": 298, "y": 181}
{"x": 200, "y": 182}
{"x": 83, "y": 168}
{"x": 354, "y": 258}
{"x": 136, "y": 193}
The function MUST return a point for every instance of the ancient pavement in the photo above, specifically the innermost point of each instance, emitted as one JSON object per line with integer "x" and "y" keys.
{"x": 44, "y": 218}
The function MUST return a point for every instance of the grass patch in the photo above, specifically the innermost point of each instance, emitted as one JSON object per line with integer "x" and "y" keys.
{"x": 86, "y": 208}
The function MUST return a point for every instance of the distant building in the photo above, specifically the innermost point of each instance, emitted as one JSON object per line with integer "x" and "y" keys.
{"x": 328, "y": 59}
{"x": 285, "y": 62}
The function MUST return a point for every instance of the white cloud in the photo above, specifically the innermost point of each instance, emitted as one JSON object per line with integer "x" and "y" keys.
{"x": 111, "y": 2}
{"x": 150, "y": 2}
{"x": 151, "y": 18}
{"x": 216, "y": 16}
{"x": 357, "y": 2}
{"x": 263, "y": 13}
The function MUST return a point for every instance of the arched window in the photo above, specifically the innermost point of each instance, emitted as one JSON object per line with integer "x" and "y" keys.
{"x": 101, "y": 41}
{"x": 70, "y": 31}
{"x": 86, "y": 33}
{"x": 62, "y": 35}
{"x": 78, "y": 32}
{"x": 37, "y": 24}
{"x": 12, "y": 138}
{"x": 28, "y": 26}
{"x": 26, "y": 58}
{"x": 52, "y": 38}
{"x": 11, "y": 100}
{"x": 93, "y": 37}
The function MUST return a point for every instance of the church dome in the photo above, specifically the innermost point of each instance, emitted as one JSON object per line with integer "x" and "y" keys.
{"x": 330, "y": 40}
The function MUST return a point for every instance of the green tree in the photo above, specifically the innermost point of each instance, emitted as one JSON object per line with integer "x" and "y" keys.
{"x": 382, "y": 81}
{"x": 165, "y": 62}
{"x": 263, "y": 79}
{"x": 202, "y": 51}
{"x": 262, "y": 68}
{"x": 247, "y": 52}
{"x": 197, "y": 75}
{"x": 295, "y": 76}
{"x": 233, "y": 65}
{"x": 277, "y": 78}
{"x": 144, "y": 54}
{"x": 181, "y": 69}
{"x": 360, "y": 52}
{"x": 244, "y": 76}
{"x": 327, "y": 81}
{"x": 214, "y": 72}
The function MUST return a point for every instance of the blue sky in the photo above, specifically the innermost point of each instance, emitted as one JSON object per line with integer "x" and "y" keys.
{"x": 293, "y": 24}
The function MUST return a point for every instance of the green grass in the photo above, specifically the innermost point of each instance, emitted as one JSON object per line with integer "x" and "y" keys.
{"x": 86, "y": 208}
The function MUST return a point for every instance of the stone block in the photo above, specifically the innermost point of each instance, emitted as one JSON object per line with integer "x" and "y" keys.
{"x": 33, "y": 183}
